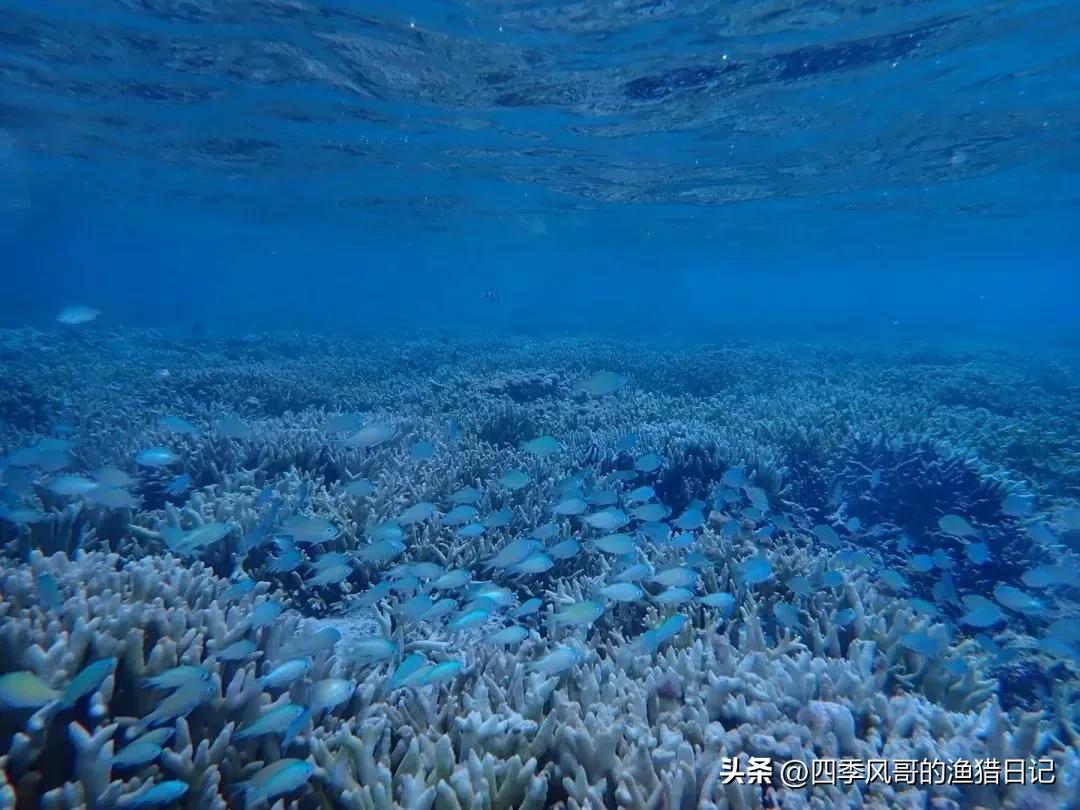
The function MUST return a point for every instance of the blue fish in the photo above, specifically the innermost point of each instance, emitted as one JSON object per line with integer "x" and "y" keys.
{"x": 179, "y": 485}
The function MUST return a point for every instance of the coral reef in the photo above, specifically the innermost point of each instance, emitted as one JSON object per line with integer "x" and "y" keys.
{"x": 281, "y": 539}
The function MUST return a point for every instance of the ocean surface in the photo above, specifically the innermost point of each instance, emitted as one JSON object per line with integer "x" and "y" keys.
{"x": 530, "y": 403}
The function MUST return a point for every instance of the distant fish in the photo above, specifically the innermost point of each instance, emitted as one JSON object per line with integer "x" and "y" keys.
{"x": 543, "y": 446}
{"x": 466, "y": 495}
{"x": 565, "y": 550}
{"x": 178, "y": 677}
{"x": 408, "y": 667}
{"x": 956, "y": 526}
{"x": 601, "y": 384}
{"x": 535, "y": 563}
{"x": 513, "y": 634}
{"x": 1017, "y": 504}
{"x": 608, "y": 520}
{"x": 1016, "y": 599}
{"x": 735, "y": 477}
{"x": 273, "y": 721}
{"x": 527, "y": 608}
{"x": 981, "y": 612}
{"x": 570, "y": 507}
{"x": 309, "y": 530}
{"x": 112, "y": 497}
{"x": 71, "y": 485}
{"x": 112, "y": 477}
{"x": 455, "y": 578}
{"x": 559, "y": 660}
{"x": 156, "y": 457}
{"x": 178, "y": 424}
{"x": 515, "y": 479}
{"x": 231, "y": 427}
{"x": 77, "y": 314}
{"x": 359, "y": 488}
{"x": 344, "y": 423}
{"x": 724, "y": 601}
{"x": 651, "y": 512}
{"x": 370, "y": 436}
{"x": 48, "y": 592}
{"x": 674, "y": 595}
{"x": 422, "y": 451}
{"x": 978, "y": 553}
{"x": 622, "y": 592}
{"x": 161, "y": 794}
{"x": 755, "y": 570}
{"x": 616, "y": 544}
{"x": 513, "y": 553}
{"x": 582, "y": 613}
{"x": 496, "y": 520}
{"x": 179, "y": 485}
{"x": 417, "y": 513}
{"x": 459, "y": 515}
{"x": 651, "y": 640}
{"x": 650, "y": 462}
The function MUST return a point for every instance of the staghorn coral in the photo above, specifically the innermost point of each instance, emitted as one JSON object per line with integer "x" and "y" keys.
{"x": 624, "y": 728}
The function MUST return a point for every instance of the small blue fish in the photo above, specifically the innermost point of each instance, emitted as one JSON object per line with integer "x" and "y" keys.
{"x": 580, "y": 613}
{"x": 443, "y": 607}
{"x": 544, "y": 446}
{"x": 273, "y": 721}
{"x": 470, "y": 531}
{"x": 535, "y": 563}
{"x": 48, "y": 592}
{"x": 156, "y": 457}
{"x": 87, "y": 682}
{"x": 496, "y": 520}
{"x": 651, "y": 640}
{"x": 455, "y": 578}
{"x": 136, "y": 753}
{"x": 237, "y": 651}
{"x": 617, "y": 544}
{"x": 417, "y": 513}
{"x": 25, "y": 690}
{"x": 509, "y": 635}
{"x": 276, "y": 779}
{"x": 459, "y": 515}
{"x": 264, "y": 614}
{"x": 528, "y": 607}
{"x": 360, "y": 488}
{"x": 470, "y": 618}
{"x": 179, "y": 485}
{"x": 470, "y": 495}
{"x": 409, "y": 666}
{"x": 160, "y": 794}
{"x": 239, "y": 589}
{"x": 622, "y": 592}
{"x": 755, "y": 570}
{"x": 650, "y": 462}
{"x": 978, "y": 553}
{"x": 674, "y": 596}
{"x": 422, "y": 451}
{"x": 178, "y": 677}
{"x": 565, "y": 550}
{"x": 725, "y": 602}
{"x": 515, "y": 480}
{"x": 446, "y": 671}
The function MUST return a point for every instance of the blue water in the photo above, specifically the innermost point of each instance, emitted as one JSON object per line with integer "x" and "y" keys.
{"x": 702, "y": 167}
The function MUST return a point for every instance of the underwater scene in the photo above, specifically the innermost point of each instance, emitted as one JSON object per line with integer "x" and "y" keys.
{"x": 490, "y": 404}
